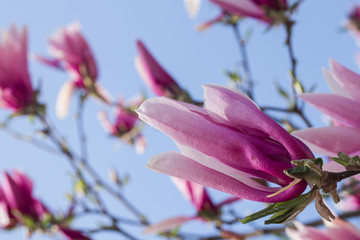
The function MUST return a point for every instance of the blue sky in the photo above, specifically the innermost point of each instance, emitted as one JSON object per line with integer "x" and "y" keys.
{"x": 111, "y": 28}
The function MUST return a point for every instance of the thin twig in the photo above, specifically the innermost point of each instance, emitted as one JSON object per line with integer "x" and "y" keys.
{"x": 244, "y": 59}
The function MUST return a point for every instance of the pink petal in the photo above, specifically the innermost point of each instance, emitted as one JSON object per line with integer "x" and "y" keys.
{"x": 233, "y": 108}
{"x": 340, "y": 229}
{"x": 347, "y": 79}
{"x": 216, "y": 165}
{"x": 153, "y": 73}
{"x": 166, "y": 225}
{"x": 103, "y": 93}
{"x": 328, "y": 141}
{"x": 192, "y": 7}
{"x": 303, "y": 232}
{"x": 177, "y": 165}
{"x": 333, "y": 84}
{"x": 344, "y": 110}
{"x": 102, "y": 116}
{"x": 63, "y": 100}
{"x": 241, "y": 7}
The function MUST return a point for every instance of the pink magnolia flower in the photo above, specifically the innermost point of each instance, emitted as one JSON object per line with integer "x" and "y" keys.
{"x": 72, "y": 234}
{"x": 336, "y": 229}
{"x": 17, "y": 201}
{"x": 126, "y": 124}
{"x": 16, "y": 92}
{"x": 198, "y": 196}
{"x": 343, "y": 107}
{"x": 257, "y": 9}
{"x": 73, "y": 54}
{"x": 159, "y": 81}
{"x": 225, "y": 145}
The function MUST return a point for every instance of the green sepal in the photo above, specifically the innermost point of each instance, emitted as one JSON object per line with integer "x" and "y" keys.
{"x": 283, "y": 211}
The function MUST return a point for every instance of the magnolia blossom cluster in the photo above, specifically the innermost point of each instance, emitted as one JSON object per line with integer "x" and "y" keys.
{"x": 343, "y": 108}
{"x": 19, "y": 207}
{"x": 72, "y": 53}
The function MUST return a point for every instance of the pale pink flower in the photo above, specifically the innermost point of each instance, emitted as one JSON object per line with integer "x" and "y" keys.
{"x": 126, "y": 125}
{"x": 223, "y": 147}
{"x": 16, "y": 92}
{"x": 73, "y": 54}
{"x": 336, "y": 229}
{"x": 343, "y": 107}
{"x": 157, "y": 79}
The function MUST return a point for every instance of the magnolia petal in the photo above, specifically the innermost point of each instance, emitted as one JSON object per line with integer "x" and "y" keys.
{"x": 347, "y": 79}
{"x": 216, "y": 165}
{"x": 241, "y": 7}
{"x": 328, "y": 141}
{"x": 303, "y": 232}
{"x": 192, "y": 7}
{"x": 233, "y": 108}
{"x": 177, "y": 165}
{"x": 184, "y": 187}
{"x": 344, "y": 110}
{"x": 102, "y": 116}
{"x": 63, "y": 100}
{"x": 152, "y": 72}
{"x": 332, "y": 166}
{"x": 333, "y": 84}
{"x": 340, "y": 229}
{"x": 103, "y": 94}
{"x": 166, "y": 225}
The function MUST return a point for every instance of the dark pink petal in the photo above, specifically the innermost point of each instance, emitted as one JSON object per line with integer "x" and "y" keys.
{"x": 328, "y": 141}
{"x": 153, "y": 74}
{"x": 344, "y": 110}
{"x": 72, "y": 234}
{"x": 245, "y": 8}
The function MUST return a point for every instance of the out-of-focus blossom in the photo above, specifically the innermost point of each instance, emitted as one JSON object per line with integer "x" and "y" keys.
{"x": 126, "y": 125}
{"x": 17, "y": 202}
{"x": 157, "y": 79}
{"x": 73, "y": 54}
{"x": 198, "y": 196}
{"x": 354, "y": 20}
{"x": 223, "y": 147}
{"x": 72, "y": 234}
{"x": 192, "y": 7}
{"x": 343, "y": 107}
{"x": 336, "y": 229}
{"x": 258, "y": 9}
{"x": 16, "y": 92}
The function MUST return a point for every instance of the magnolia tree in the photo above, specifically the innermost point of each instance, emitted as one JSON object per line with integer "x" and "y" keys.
{"x": 227, "y": 140}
